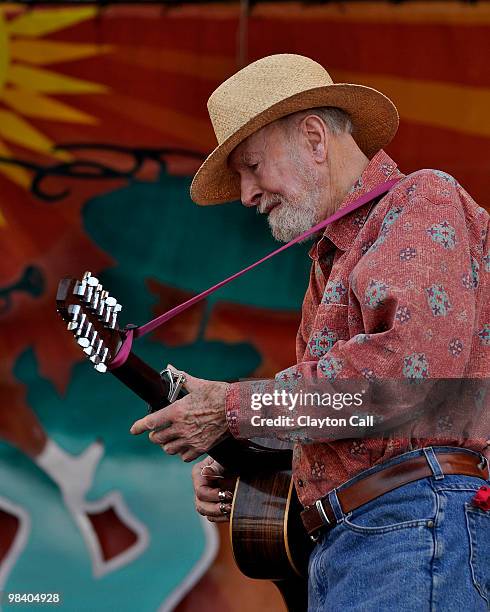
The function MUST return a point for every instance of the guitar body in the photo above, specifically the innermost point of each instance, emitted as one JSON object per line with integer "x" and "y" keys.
{"x": 268, "y": 539}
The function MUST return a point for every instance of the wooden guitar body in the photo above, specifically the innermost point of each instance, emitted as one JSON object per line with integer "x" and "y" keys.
{"x": 268, "y": 539}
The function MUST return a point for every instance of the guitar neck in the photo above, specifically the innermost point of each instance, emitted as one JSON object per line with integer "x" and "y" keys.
{"x": 144, "y": 381}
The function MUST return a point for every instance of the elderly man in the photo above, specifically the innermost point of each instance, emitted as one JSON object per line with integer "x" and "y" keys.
{"x": 399, "y": 289}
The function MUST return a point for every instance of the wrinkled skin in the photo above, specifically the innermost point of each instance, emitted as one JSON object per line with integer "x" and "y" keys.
{"x": 192, "y": 425}
{"x": 208, "y": 478}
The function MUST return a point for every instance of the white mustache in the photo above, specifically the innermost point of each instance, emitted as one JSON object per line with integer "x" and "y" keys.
{"x": 267, "y": 202}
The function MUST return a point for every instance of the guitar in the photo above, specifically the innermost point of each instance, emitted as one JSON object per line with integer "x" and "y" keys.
{"x": 268, "y": 539}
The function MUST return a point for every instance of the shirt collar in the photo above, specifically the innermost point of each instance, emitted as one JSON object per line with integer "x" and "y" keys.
{"x": 343, "y": 232}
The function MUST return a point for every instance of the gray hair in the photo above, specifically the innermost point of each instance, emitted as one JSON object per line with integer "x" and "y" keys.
{"x": 337, "y": 120}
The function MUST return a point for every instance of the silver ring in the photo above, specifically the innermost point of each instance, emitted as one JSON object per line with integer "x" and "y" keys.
{"x": 223, "y": 509}
{"x": 222, "y": 495}
{"x": 209, "y": 463}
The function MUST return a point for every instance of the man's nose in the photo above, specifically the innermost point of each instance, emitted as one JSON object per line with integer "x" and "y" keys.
{"x": 250, "y": 194}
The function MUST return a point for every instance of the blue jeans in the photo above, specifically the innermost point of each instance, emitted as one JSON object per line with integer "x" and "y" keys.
{"x": 420, "y": 547}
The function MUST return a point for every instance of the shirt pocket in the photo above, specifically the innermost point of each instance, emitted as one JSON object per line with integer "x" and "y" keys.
{"x": 330, "y": 326}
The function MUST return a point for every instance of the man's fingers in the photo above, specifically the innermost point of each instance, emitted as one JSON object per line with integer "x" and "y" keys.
{"x": 207, "y": 473}
{"x": 207, "y": 491}
{"x": 140, "y": 426}
{"x": 163, "y": 426}
{"x": 156, "y": 420}
{"x": 163, "y": 436}
{"x": 218, "y": 519}
{"x": 198, "y": 467}
{"x": 212, "y": 509}
{"x": 213, "y": 471}
{"x": 159, "y": 420}
{"x": 178, "y": 447}
{"x": 190, "y": 455}
{"x": 210, "y": 494}
{"x": 174, "y": 448}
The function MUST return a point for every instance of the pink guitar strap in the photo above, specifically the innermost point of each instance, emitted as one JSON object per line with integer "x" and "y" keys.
{"x": 132, "y": 332}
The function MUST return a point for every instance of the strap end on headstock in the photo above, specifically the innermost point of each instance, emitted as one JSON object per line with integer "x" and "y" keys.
{"x": 125, "y": 348}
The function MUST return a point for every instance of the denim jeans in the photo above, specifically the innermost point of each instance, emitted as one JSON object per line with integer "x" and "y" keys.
{"x": 421, "y": 547}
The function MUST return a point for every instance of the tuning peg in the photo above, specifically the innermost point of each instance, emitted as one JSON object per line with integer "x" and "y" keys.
{"x": 74, "y": 310}
{"x": 88, "y": 294}
{"x": 84, "y": 341}
{"x": 96, "y": 297}
{"x": 80, "y": 288}
{"x": 92, "y": 281}
{"x": 81, "y": 323}
{"x": 102, "y": 305}
{"x": 117, "y": 309}
{"x": 95, "y": 356}
{"x": 90, "y": 348}
{"x": 110, "y": 301}
{"x": 107, "y": 316}
{"x": 85, "y": 287}
{"x": 100, "y": 360}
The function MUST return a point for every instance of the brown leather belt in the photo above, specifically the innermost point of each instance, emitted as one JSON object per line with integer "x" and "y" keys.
{"x": 374, "y": 485}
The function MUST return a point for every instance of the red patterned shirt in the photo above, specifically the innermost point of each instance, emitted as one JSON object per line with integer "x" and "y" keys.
{"x": 398, "y": 290}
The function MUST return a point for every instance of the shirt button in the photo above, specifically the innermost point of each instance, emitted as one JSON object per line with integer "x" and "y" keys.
{"x": 300, "y": 482}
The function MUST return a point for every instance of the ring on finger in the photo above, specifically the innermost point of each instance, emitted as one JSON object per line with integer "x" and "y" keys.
{"x": 209, "y": 462}
{"x": 223, "y": 509}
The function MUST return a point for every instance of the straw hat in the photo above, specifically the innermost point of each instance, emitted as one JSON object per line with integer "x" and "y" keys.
{"x": 274, "y": 87}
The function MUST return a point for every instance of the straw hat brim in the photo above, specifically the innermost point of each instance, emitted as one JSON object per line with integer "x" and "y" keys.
{"x": 373, "y": 115}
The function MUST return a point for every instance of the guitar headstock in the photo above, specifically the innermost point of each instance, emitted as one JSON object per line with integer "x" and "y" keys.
{"x": 91, "y": 314}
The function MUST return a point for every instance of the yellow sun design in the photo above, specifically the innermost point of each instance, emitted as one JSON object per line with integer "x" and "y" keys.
{"x": 28, "y": 89}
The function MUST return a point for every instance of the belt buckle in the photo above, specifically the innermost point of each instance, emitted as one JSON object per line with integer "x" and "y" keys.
{"x": 315, "y": 536}
{"x": 483, "y": 465}
{"x": 322, "y": 513}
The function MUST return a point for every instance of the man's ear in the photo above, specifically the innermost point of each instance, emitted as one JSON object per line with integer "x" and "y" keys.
{"x": 317, "y": 137}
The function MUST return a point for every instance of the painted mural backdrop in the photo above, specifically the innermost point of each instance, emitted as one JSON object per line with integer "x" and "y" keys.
{"x": 102, "y": 123}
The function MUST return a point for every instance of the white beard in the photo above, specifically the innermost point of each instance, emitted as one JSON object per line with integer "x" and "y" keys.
{"x": 296, "y": 214}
